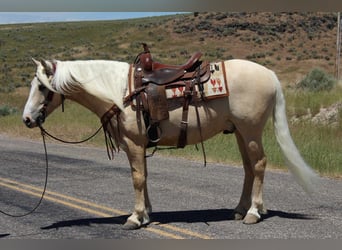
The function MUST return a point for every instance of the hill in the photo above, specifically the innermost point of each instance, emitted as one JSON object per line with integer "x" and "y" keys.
{"x": 289, "y": 43}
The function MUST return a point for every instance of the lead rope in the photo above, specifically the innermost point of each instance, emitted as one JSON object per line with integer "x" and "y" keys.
{"x": 69, "y": 142}
{"x": 45, "y": 184}
{"x": 44, "y": 133}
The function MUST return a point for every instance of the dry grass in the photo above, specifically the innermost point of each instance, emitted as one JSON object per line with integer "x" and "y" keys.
{"x": 259, "y": 37}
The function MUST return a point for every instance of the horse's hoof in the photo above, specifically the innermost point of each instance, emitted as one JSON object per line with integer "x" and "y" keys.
{"x": 251, "y": 219}
{"x": 129, "y": 225}
{"x": 237, "y": 216}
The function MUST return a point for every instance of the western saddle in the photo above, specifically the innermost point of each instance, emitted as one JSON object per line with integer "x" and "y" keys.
{"x": 151, "y": 79}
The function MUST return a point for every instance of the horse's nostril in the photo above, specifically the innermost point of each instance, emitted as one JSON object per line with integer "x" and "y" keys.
{"x": 27, "y": 121}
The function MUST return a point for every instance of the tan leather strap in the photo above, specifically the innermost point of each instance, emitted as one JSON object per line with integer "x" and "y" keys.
{"x": 182, "y": 140}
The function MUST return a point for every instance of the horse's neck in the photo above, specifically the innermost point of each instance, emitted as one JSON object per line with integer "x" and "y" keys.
{"x": 90, "y": 102}
{"x": 106, "y": 80}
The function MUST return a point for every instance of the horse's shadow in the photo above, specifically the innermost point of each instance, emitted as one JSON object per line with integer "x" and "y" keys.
{"x": 191, "y": 216}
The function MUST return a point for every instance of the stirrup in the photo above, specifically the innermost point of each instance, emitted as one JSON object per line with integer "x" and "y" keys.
{"x": 157, "y": 132}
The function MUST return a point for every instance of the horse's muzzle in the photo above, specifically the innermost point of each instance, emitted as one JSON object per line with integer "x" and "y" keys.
{"x": 28, "y": 122}
{"x": 31, "y": 123}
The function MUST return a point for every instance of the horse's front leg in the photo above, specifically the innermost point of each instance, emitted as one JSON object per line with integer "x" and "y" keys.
{"x": 139, "y": 217}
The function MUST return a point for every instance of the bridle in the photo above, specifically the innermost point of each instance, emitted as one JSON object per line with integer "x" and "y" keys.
{"x": 48, "y": 99}
{"x": 105, "y": 121}
{"x": 42, "y": 111}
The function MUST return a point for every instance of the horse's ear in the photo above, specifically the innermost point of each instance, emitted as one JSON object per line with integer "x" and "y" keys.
{"x": 47, "y": 66}
{"x": 35, "y": 61}
{"x": 48, "y": 69}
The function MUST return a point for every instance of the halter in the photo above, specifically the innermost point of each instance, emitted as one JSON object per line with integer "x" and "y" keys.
{"x": 48, "y": 99}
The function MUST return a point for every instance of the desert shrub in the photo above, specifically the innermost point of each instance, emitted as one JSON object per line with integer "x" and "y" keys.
{"x": 7, "y": 110}
{"x": 256, "y": 55}
{"x": 317, "y": 80}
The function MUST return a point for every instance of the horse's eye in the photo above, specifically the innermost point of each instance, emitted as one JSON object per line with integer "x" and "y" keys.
{"x": 41, "y": 87}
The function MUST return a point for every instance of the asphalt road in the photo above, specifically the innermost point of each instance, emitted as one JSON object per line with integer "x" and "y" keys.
{"x": 90, "y": 197}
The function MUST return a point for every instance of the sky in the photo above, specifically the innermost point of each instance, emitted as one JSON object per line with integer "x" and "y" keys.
{"x": 169, "y": 5}
{"x": 35, "y": 17}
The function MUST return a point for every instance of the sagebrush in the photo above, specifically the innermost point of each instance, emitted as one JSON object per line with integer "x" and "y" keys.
{"x": 317, "y": 80}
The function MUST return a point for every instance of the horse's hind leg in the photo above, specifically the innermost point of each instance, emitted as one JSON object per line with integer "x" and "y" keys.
{"x": 258, "y": 160}
{"x": 245, "y": 199}
{"x": 254, "y": 161}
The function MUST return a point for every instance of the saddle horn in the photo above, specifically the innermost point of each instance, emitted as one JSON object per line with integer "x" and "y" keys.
{"x": 146, "y": 49}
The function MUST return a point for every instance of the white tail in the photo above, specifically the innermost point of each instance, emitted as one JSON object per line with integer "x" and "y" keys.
{"x": 302, "y": 172}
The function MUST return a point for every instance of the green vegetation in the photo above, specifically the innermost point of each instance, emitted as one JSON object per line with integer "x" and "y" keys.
{"x": 272, "y": 39}
{"x": 317, "y": 80}
{"x": 319, "y": 145}
{"x": 7, "y": 110}
{"x": 292, "y": 44}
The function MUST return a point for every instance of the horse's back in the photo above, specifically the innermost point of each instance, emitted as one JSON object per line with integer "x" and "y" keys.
{"x": 252, "y": 90}
{"x": 249, "y": 73}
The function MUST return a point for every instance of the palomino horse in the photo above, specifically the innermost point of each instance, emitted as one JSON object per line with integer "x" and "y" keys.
{"x": 255, "y": 94}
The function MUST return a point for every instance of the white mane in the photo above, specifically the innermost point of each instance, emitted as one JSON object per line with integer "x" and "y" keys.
{"x": 106, "y": 80}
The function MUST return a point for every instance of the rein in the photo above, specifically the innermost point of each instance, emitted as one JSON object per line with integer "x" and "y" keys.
{"x": 108, "y": 115}
{"x": 45, "y": 185}
{"x": 44, "y": 133}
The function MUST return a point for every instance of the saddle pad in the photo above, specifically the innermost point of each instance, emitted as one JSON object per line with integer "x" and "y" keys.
{"x": 215, "y": 87}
